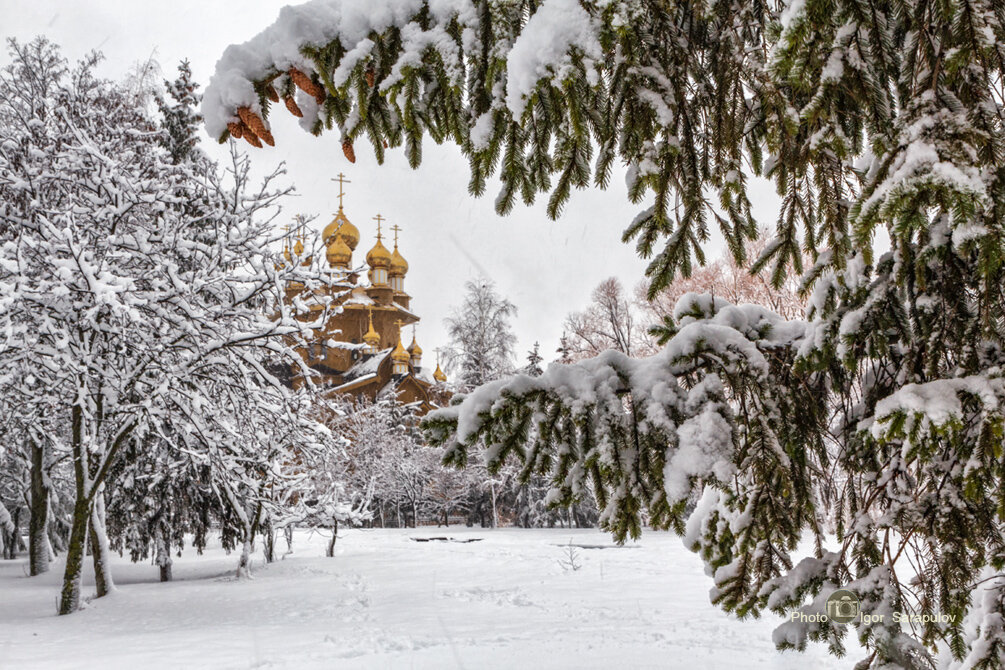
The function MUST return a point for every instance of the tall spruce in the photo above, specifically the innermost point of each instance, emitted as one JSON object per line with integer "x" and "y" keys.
{"x": 179, "y": 115}
{"x": 878, "y": 416}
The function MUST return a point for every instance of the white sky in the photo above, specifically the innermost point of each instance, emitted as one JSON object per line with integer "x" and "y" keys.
{"x": 546, "y": 268}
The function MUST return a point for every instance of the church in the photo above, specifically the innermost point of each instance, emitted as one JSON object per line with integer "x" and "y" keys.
{"x": 374, "y": 313}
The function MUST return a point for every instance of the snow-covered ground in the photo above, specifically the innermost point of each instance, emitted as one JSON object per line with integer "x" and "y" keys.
{"x": 385, "y": 601}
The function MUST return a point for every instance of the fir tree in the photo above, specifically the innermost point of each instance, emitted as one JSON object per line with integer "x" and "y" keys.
{"x": 533, "y": 366}
{"x": 879, "y": 413}
{"x": 179, "y": 116}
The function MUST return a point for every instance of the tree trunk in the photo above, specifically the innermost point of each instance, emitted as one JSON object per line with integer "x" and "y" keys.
{"x": 39, "y": 549}
{"x": 288, "y": 532}
{"x": 13, "y": 538}
{"x": 331, "y": 545}
{"x": 70, "y": 596}
{"x": 163, "y": 556}
{"x": 69, "y": 600}
{"x": 99, "y": 548}
{"x": 415, "y": 515}
{"x": 244, "y": 566}
{"x": 495, "y": 513}
{"x": 269, "y": 541}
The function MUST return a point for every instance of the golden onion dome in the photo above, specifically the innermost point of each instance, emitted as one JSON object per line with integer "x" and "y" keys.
{"x": 414, "y": 347}
{"x": 438, "y": 375}
{"x": 339, "y": 254}
{"x": 371, "y": 339}
{"x": 341, "y": 226}
{"x": 399, "y": 266}
{"x": 399, "y": 355}
{"x": 379, "y": 256}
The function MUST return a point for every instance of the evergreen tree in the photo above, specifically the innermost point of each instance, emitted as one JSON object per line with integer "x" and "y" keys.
{"x": 564, "y": 349}
{"x": 533, "y": 366}
{"x": 179, "y": 116}
{"x": 881, "y": 412}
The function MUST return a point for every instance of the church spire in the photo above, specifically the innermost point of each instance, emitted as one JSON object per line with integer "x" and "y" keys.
{"x": 340, "y": 236}
{"x": 399, "y": 357}
{"x": 415, "y": 351}
{"x": 371, "y": 339}
{"x": 438, "y": 374}
{"x": 378, "y": 258}
{"x": 399, "y": 266}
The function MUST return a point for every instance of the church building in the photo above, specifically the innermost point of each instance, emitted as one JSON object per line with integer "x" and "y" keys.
{"x": 375, "y": 312}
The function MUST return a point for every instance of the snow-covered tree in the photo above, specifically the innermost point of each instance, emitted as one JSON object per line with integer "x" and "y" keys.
{"x": 881, "y": 411}
{"x": 534, "y": 360}
{"x": 179, "y": 115}
{"x": 481, "y": 336}
{"x": 131, "y": 321}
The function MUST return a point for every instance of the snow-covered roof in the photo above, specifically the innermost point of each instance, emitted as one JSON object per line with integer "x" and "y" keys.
{"x": 357, "y": 380}
{"x": 367, "y": 366}
{"x": 403, "y": 309}
{"x": 424, "y": 374}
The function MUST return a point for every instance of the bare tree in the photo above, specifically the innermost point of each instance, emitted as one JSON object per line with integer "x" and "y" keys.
{"x": 611, "y": 321}
{"x": 481, "y": 338}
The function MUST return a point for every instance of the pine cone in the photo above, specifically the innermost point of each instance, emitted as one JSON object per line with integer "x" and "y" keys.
{"x": 304, "y": 83}
{"x": 251, "y": 120}
{"x": 250, "y": 136}
{"x": 292, "y": 105}
{"x": 370, "y": 78}
{"x": 348, "y": 150}
{"x": 270, "y": 91}
{"x": 320, "y": 95}
{"x": 235, "y": 130}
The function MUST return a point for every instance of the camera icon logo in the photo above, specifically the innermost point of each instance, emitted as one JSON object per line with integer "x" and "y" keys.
{"x": 842, "y": 606}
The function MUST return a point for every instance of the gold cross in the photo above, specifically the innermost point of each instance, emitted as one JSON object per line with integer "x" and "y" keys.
{"x": 396, "y": 228}
{"x": 341, "y": 180}
{"x": 378, "y": 219}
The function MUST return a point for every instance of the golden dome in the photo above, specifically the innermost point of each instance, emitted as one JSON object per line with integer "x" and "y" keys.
{"x": 341, "y": 226}
{"x": 339, "y": 254}
{"x": 379, "y": 256}
{"x": 371, "y": 339}
{"x": 414, "y": 347}
{"x": 399, "y": 355}
{"x": 399, "y": 266}
{"x": 438, "y": 375}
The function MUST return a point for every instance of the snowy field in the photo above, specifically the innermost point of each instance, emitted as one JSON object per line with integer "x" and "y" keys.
{"x": 386, "y": 601}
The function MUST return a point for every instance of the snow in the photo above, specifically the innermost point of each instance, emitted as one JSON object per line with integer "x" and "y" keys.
{"x": 542, "y": 49}
{"x": 278, "y": 48}
{"x": 387, "y": 601}
{"x": 793, "y": 9}
{"x": 920, "y": 162}
{"x": 938, "y": 401}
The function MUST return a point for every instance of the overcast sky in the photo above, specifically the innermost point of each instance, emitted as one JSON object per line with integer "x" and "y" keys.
{"x": 546, "y": 268}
